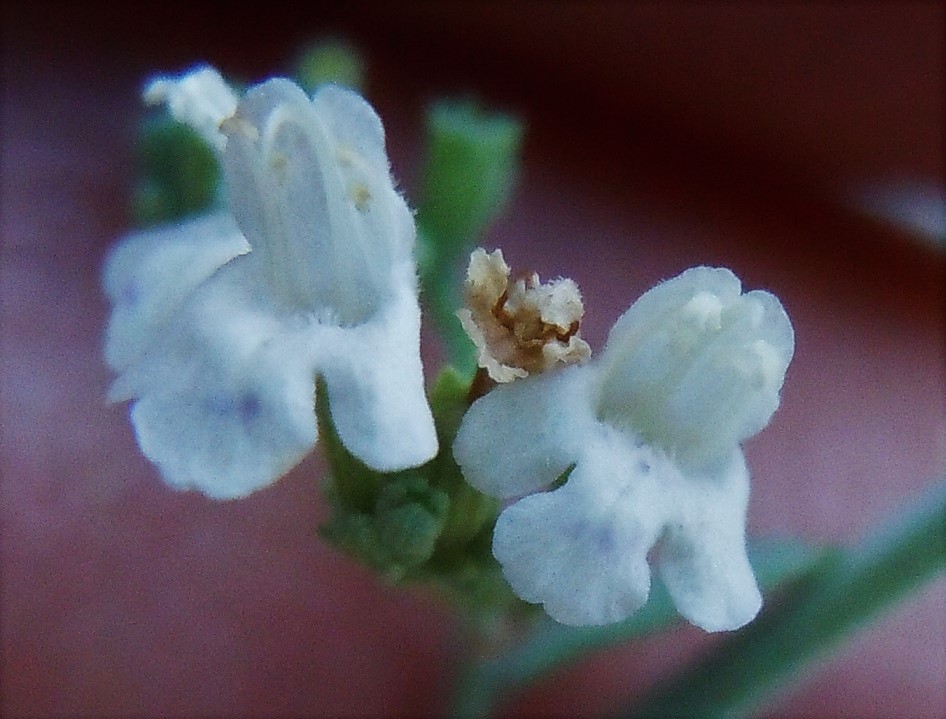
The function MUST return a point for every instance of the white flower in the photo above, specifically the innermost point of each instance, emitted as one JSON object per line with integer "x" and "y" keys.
{"x": 221, "y": 325}
{"x": 651, "y": 430}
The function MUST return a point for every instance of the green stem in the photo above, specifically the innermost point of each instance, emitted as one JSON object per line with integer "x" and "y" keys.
{"x": 441, "y": 281}
{"x": 835, "y": 599}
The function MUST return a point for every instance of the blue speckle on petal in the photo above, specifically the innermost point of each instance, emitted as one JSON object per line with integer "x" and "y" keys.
{"x": 604, "y": 537}
{"x": 598, "y": 535}
{"x": 246, "y": 407}
{"x": 130, "y": 293}
{"x": 249, "y": 406}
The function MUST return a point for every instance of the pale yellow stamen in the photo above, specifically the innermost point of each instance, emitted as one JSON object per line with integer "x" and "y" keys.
{"x": 359, "y": 193}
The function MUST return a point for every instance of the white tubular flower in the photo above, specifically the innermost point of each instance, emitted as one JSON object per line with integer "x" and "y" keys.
{"x": 221, "y": 325}
{"x": 651, "y": 433}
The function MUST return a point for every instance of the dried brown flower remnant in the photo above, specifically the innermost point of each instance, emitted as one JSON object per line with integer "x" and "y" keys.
{"x": 522, "y": 328}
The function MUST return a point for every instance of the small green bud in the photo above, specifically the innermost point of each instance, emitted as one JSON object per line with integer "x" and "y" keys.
{"x": 472, "y": 160}
{"x": 409, "y": 533}
{"x": 332, "y": 60}
{"x": 151, "y": 204}
{"x": 409, "y": 517}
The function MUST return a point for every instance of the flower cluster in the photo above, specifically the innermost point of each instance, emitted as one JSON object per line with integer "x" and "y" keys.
{"x": 220, "y": 325}
{"x": 648, "y": 437}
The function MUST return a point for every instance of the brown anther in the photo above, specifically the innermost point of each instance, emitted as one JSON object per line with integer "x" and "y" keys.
{"x": 482, "y": 383}
{"x": 521, "y": 328}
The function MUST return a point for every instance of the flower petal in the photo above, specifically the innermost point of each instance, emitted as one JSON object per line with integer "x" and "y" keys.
{"x": 226, "y": 402}
{"x": 225, "y": 399}
{"x": 353, "y": 125}
{"x": 521, "y": 436}
{"x": 326, "y": 219}
{"x": 357, "y": 136}
{"x": 695, "y": 366}
{"x": 223, "y": 437}
{"x": 702, "y": 555}
{"x": 149, "y": 275}
{"x": 581, "y": 550}
{"x": 200, "y": 98}
{"x": 653, "y": 308}
{"x": 375, "y": 384}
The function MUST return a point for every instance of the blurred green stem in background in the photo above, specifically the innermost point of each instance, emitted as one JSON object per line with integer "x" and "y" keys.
{"x": 548, "y": 645}
{"x": 837, "y": 597}
{"x": 823, "y": 596}
{"x": 329, "y": 59}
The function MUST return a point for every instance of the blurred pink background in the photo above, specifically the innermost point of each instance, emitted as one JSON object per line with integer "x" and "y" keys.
{"x": 660, "y": 136}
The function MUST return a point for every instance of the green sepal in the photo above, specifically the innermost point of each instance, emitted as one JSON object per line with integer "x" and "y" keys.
{"x": 409, "y": 517}
{"x": 399, "y": 535}
{"x": 355, "y": 534}
{"x": 423, "y": 525}
{"x": 389, "y": 521}
{"x": 463, "y": 565}
{"x": 470, "y": 510}
{"x": 354, "y": 485}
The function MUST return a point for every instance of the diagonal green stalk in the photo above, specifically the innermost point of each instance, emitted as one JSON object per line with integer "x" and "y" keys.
{"x": 836, "y": 598}
{"x": 550, "y": 645}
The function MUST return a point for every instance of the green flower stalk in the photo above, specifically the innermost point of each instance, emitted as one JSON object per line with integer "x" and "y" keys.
{"x": 472, "y": 162}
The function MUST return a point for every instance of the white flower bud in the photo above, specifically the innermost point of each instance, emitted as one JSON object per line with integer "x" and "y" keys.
{"x": 201, "y": 99}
